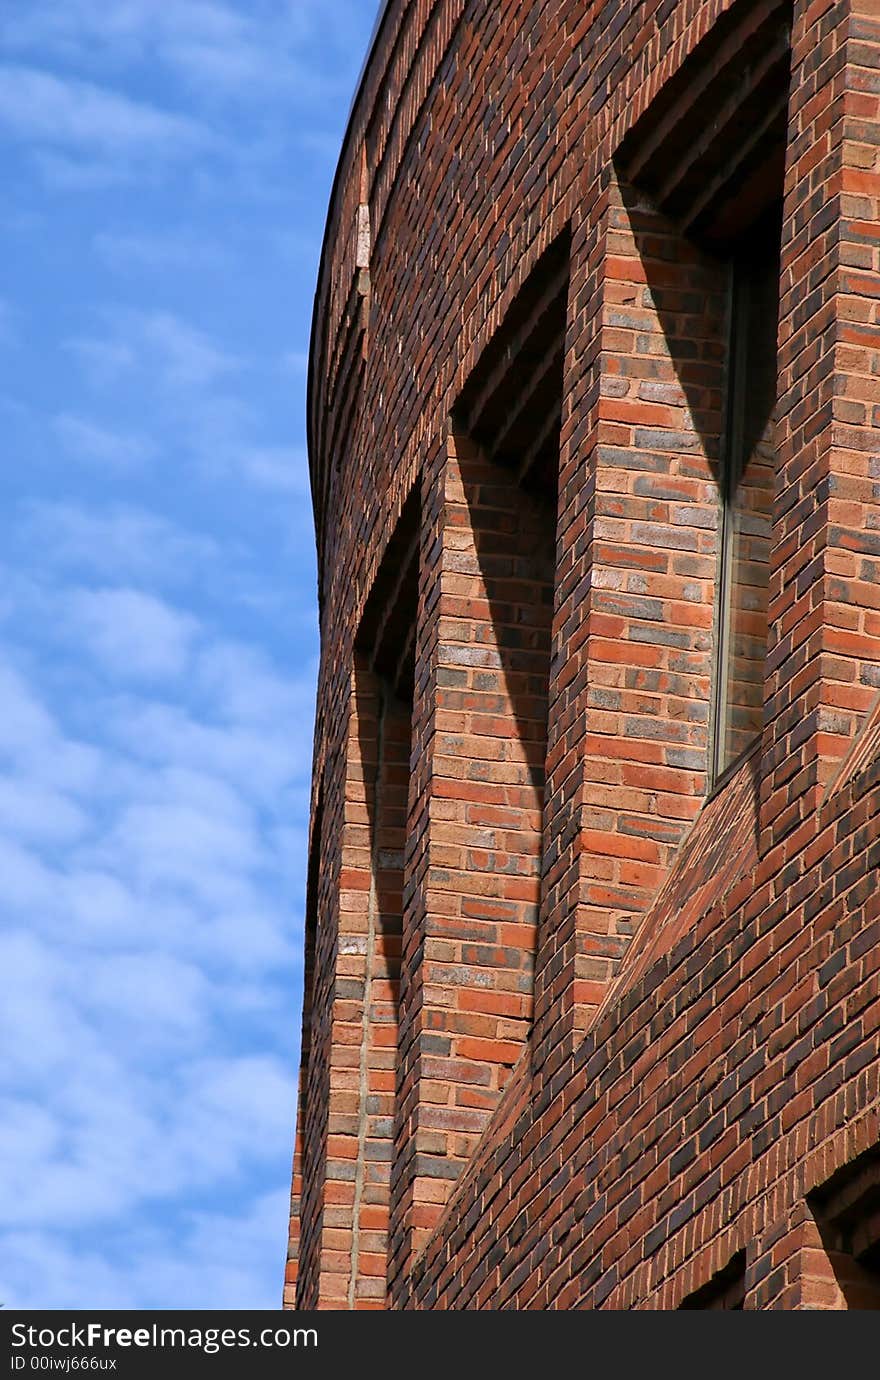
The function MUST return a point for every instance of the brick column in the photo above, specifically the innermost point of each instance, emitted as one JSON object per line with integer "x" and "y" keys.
{"x": 292, "y": 1268}
{"x": 306, "y": 1276}
{"x": 779, "y": 1261}
{"x": 371, "y": 908}
{"x": 823, "y": 665}
{"x": 475, "y": 825}
{"x": 638, "y": 536}
{"x": 350, "y": 1234}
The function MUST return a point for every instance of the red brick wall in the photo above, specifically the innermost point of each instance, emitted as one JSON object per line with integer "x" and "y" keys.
{"x": 663, "y": 1115}
{"x": 824, "y": 629}
{"x": 732, "y": 1079}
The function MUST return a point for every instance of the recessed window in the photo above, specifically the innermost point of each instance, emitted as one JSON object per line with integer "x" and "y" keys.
{"x": 847, "y": 1212}
{"x": 709, "y": 153}
{"x": 725, "y": 1291}
{"x": 747, "y": 482}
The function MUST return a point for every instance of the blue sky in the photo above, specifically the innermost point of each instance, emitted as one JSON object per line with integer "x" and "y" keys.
{"x": 166, "y": 169}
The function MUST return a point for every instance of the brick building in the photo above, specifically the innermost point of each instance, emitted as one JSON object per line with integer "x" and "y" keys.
{"x": 593, "y": 919}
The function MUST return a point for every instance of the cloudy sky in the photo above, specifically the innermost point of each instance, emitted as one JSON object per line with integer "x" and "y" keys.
{"x": 166, "y": 168}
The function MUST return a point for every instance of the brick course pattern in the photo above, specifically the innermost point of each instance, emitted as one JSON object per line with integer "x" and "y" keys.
{"x": 581, "y": 1031}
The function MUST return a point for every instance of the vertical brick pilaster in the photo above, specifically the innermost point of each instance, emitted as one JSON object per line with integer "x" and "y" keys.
{"x": 779, "y": 1263}
{"x": 655, "y": 557}
{"x": 383, "y": 727}
{"x": 564, "y": 990}
{"x": 639, "y": 534}
{"x": 310, "y": 927}
{"x": 852, "y": 639}
{"x": 818, "y": 1286}
{"x": 348, "y": 984}
{"x": 305, "y": 1277}
{"x": 410, "y": 1216}
{"x": 824, "y": 649}
{"x": 349, "y": 1229}
{"x": 291, "y": 1269}
{"x": 471, "y": 924}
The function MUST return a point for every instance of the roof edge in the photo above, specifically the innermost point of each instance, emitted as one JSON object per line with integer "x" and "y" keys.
{"x": 378, "y": 28}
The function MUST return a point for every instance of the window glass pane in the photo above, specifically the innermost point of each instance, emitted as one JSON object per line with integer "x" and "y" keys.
{"x": 747, "y": 497}
{"x": 747, "y": 614}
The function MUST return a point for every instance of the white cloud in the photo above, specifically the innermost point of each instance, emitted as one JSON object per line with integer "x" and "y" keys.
{"x": 130, "y": 633}
{"x": 294, "y": 362}
{"x": 166, "y": 349}
{"x": 31, "y": 740}
{"x": 31, "y": 810}
{"x": 27, "y": 881}
{"x": 187, "y": 356}
{"x": 258, "y": 728}
{"x": 274, "y": 467}
{"x": 25, "y": 726}
{"x": 128, "y": 28}
{"x": 248, "y": 1094}
{"x": 214, "y": 48}
{"x": 248, "y": 690}
{"x": 235, "y": 75}
{"x": 104, "y": 361}
{"x": 88, "y": 441}
{"x": 178, "y": 844}
{"x": 102, "y": 909}
{"x": 121, "y": 541}
{"x": 191, "y": 375}
{"x": 154, "y": 761}
{"x": 216, "y": 1260}
{"x": 150, "y": 993}
{"x": 140, "y": 933}
{"x": 99, "y": 1137}
{"x": 55, "y": 112}
{"x": 62, "y": 172}
{"x": 134, "y": 253}
{"x": 7, "y": 320}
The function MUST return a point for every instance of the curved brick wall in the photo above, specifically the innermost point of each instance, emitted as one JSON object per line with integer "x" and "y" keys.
{"x": 575, "y": 1036}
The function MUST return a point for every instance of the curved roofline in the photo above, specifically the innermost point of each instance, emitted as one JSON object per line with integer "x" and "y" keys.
{"x": 384, "y": 7}
{"x": 380, "y": 15}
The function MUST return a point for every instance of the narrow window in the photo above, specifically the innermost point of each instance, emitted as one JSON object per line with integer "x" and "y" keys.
{"x": 746, "y": 496}
{"x": 310, "y": 937}
{"x": 709, "y": 155}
